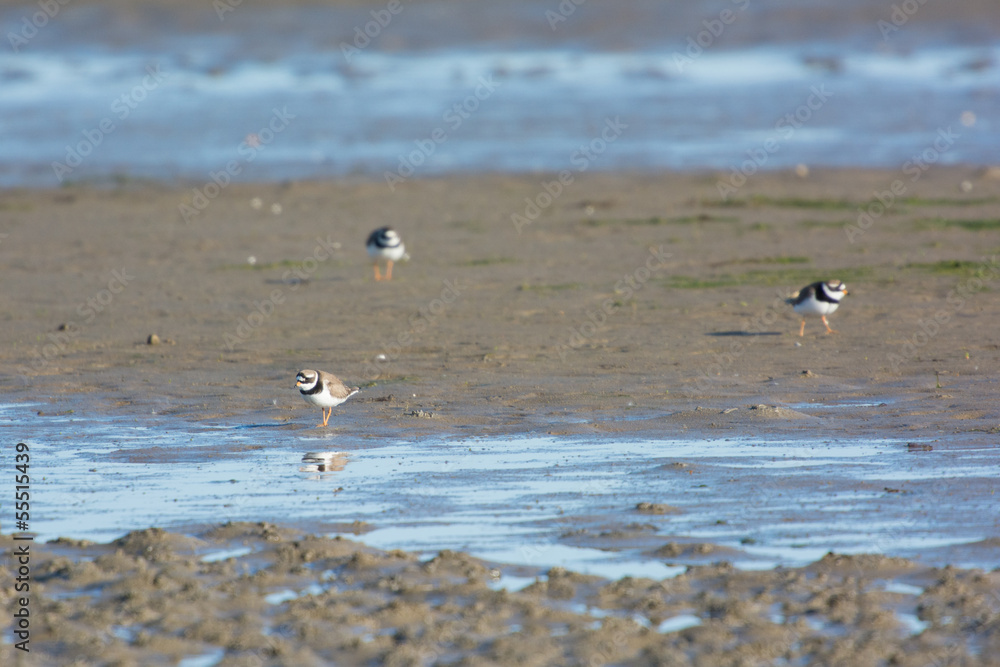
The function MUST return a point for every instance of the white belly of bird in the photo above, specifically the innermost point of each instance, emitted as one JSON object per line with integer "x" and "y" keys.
{"x": 323, "y": 399}
{"x": 395, "y": 253}
{"x": 815, "y": 307}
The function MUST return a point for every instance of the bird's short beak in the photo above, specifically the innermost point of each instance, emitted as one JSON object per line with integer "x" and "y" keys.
{"x": 298, "y": 384}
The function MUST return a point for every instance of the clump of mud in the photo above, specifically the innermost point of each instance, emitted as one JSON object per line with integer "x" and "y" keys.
{"x": 242, "y": 594}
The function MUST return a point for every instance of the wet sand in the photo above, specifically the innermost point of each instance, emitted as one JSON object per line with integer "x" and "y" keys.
{"x": 640, "y": 305}
{"x": 638, "y": 295}
{"x": 242, "y": 594}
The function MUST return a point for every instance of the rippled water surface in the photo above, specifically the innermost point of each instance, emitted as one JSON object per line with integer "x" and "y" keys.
{"x": 536, "y": 501}
{"x": 268, "y": 94}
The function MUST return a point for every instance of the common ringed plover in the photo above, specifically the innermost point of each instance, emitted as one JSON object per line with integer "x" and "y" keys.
{"x": 323, "y": 389}
{"x": 384, "y": 243}
{"x": 820, "y": 298}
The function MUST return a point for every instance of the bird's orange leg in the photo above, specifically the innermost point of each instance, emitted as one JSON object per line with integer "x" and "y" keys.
{"x": 388, "y": 269}
{"x": 326, "y": 416}
{"x": 378, "y": 275}
{"x": 828, "y": 329}
{"x": 802, "y": 329}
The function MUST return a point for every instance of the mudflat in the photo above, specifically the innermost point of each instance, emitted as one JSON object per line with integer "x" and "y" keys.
{"x": 259, "y": 594}
{"x": 646, "y": 294}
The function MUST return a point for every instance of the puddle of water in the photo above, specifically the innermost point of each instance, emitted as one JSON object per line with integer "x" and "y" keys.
{"x": 678, "y": 623}
{"x": 837, "y": 406}
{"x": 912, "y": 624}
{"x": 281, "y": 596}
{"x": 585, "y": 561}
{"x": 284, "y": 595}
{"x": 598, "y": 613}
{"x": 225, "y": 554}
{"x": 511, "y": 500}
{"x": 902, "y": 589}
{"x": 207, "y": 659}
{"x": 802, "y": 553}
{"x": 513, "y": 583}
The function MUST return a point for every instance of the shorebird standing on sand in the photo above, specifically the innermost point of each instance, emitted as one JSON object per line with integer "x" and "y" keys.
{"x": 820, "y": 298}
{"x": 323, "y": 389}
{"x": 384, "y": 243}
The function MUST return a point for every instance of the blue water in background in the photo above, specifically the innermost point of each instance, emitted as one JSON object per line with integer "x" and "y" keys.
{"x": 444, "y": 89}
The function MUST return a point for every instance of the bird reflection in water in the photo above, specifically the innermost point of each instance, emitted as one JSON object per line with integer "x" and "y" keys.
{"x": 323, "y": 462}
